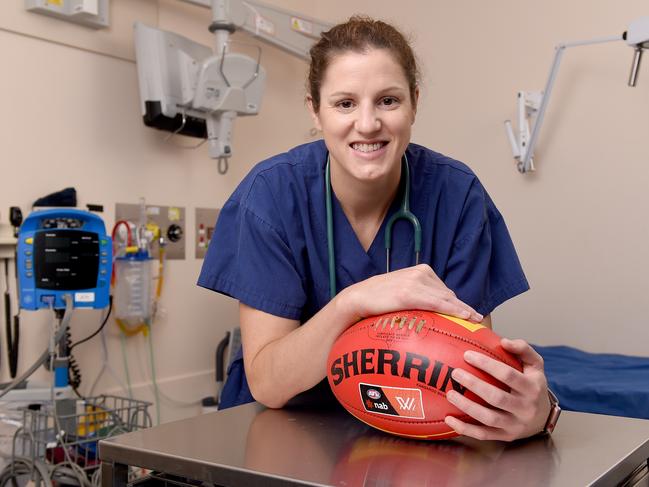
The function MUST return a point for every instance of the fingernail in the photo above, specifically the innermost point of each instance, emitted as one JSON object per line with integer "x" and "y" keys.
{"x": 479, "y": 317}
{"x": 451, "y": 396}
{"x": 458, "y": 374}
{"x": 469, "y": 355}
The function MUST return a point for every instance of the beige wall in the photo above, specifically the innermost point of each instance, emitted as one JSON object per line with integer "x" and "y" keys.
{"x": 71, "y": 118}
{"x": 580, "y": 223}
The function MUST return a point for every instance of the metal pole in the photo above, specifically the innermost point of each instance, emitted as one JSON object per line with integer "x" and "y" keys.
{"x": 548, "y": 90}
{"x": 637, "y": 56}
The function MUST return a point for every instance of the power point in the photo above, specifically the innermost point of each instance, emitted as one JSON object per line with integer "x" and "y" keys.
{"x": 174, "y": 232}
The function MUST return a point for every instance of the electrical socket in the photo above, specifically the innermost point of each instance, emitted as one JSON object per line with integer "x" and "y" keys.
{"x": 205, "y": 223}
{"x": 168, "y": 218}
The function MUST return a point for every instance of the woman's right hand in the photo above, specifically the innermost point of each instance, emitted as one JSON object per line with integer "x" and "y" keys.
{"x": 415, "y": 287}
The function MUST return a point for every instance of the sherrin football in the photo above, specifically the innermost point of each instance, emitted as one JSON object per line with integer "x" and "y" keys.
{"x": 393, "y": 371}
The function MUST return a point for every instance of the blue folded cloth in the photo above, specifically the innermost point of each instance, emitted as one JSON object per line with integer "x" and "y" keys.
{"x": 601, "y": 383}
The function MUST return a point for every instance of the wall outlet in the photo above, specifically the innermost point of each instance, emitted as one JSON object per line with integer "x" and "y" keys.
{"x": 205, "y": 223}
{"x": 170, "y": 219}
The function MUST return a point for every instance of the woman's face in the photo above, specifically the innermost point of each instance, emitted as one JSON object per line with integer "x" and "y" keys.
{"x": 365, "y": 114}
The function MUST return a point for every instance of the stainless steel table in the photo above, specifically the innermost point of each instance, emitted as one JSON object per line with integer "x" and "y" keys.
{"x": 254, "y": 446}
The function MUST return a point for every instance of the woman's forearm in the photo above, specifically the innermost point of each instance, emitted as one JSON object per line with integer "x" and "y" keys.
{"x": 289, "y": 364}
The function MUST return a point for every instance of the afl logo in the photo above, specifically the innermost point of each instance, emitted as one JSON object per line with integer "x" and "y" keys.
{"x": 373, "y": 394}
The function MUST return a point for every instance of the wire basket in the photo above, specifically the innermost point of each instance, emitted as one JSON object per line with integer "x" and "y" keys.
{"x": 69, "y": 430}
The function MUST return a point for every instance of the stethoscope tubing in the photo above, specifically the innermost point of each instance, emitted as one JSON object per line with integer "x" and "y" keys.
{"x": 331, "y": 253}
{"x": 404, "y": 213}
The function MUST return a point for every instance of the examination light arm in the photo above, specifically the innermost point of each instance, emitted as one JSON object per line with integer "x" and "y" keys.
{"x": 530, "y": 103}
{"x": 637, "y": 36}
{"x": 533, "y": 105}
{"x": 289, "y": 31}
{"x": 194, "y": 90}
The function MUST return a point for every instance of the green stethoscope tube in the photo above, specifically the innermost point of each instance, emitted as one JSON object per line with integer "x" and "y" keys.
{"x": 404, "y": 213}
{"x": 330, "y": 234}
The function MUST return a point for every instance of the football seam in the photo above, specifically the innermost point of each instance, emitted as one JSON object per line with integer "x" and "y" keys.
{"x": 467, "y": 340}
{"x": 352, "y": 330}
{"x": 504, "y": 358}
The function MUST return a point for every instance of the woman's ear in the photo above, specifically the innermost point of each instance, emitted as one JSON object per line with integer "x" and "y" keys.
{"x": 416, "y": 102}
{"x": 314, "y": 114}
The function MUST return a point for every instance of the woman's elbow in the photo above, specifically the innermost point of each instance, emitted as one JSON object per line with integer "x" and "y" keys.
{"x": 267, "y": 396}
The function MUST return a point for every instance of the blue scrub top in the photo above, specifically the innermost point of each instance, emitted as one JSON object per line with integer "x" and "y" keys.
{"x": 269, "y": 248}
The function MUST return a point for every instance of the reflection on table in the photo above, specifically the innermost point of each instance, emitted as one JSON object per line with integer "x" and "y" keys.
{"x": 254, "y": 446}
{"x": 344, "y": 451}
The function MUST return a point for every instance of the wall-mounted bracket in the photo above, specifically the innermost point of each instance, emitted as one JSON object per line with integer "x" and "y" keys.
{"x": 532, "y": 105}
{"x": 7, "y": 241}
{"x": 529, "y": 103}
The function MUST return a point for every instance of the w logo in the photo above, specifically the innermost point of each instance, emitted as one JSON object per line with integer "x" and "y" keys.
{"x": 407, "y": 403}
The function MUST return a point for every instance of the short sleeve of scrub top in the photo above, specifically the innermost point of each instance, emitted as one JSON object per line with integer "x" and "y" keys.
{"x": 263, "y": 250}
{"x": 251, "y": 258}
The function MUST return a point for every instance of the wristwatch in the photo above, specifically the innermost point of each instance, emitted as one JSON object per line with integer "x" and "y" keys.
{"x": 553, "y": 417}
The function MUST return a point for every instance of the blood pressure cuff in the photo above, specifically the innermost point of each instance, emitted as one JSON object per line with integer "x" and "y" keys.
{"x": 610, "y": 384}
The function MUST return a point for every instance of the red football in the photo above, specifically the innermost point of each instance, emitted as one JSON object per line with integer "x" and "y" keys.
{"x": 392, "y": 371}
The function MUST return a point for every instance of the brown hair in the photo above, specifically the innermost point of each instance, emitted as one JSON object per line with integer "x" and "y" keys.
{"x": 359, "y": 34}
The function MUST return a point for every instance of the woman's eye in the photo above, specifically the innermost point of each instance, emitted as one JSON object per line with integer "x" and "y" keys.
{"x": 345, "y": 104}
{"x": 389, "y": 101}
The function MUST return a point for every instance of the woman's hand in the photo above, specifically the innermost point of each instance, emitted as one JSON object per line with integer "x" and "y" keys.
{"x": 415, "y": 287}
{"x": 520, "y": 413}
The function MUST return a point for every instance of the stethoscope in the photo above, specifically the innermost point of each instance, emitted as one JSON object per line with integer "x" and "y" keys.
{"x": 404, "y": 213}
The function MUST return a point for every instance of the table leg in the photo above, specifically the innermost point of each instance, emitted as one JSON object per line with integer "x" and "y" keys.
{"x": 114, "y": 474}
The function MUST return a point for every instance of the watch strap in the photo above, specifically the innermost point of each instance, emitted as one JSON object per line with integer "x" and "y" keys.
{"x": 555, "y": 412}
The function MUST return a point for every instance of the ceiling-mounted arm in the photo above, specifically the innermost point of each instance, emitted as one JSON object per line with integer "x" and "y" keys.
{"x": 532, "y": 105}
{"x": 214, "y": 99}
{"x": 290, "y": 31}
{"x": 194, "y": 90}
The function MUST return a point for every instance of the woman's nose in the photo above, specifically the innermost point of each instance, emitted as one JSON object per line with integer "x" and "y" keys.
{"x": 367, "y": 120}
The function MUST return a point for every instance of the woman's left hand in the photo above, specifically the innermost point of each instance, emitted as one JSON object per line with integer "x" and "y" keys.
{"x": 519, "y": 413}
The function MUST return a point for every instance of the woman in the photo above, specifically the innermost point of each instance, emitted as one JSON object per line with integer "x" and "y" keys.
{"x": 270, "y": 249}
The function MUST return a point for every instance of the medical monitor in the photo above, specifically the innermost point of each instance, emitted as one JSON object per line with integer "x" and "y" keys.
{"x": 63, "y": 251}
{"x": 167, "y": 66}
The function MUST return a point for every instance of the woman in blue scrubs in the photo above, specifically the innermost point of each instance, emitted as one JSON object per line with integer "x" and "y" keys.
{"x": 270, "y": 247}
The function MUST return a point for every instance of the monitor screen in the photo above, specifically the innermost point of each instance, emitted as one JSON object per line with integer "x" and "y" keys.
{"x": 66, "y": 260}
